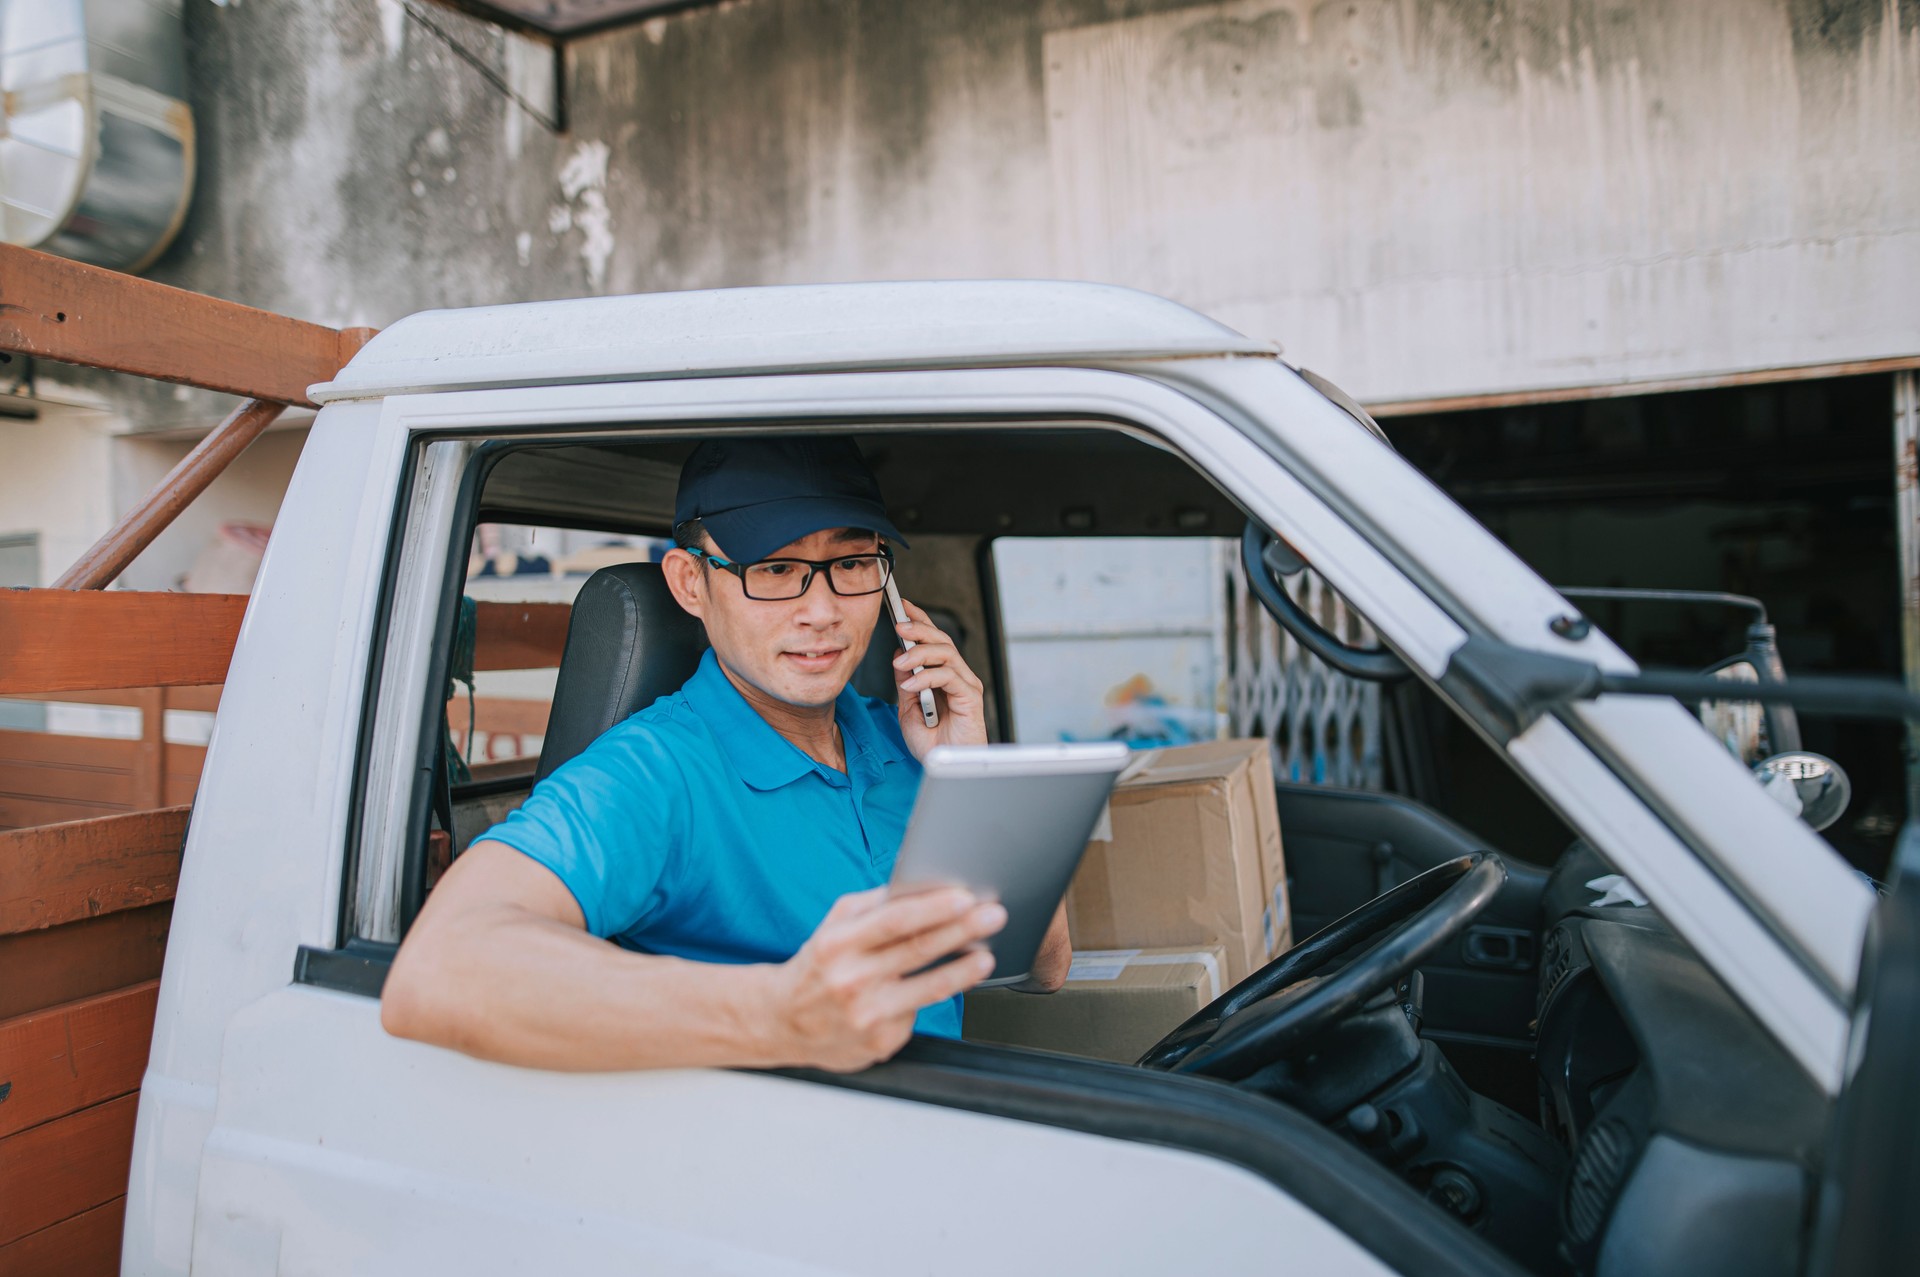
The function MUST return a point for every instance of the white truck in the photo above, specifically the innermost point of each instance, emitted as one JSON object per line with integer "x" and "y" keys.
{"x": 1715, "y": 1095}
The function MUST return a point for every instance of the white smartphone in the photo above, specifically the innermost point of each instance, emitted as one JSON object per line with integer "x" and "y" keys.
{"x": 928, "y": 714}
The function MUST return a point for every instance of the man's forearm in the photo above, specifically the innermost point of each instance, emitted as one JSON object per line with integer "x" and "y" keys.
{"x": 499, "y": 965}
{"x": 511, "y": 986}
{"x": 1052, "y": 960}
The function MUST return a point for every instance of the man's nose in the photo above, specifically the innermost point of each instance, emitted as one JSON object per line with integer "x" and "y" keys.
{"x": 818, "y": 605}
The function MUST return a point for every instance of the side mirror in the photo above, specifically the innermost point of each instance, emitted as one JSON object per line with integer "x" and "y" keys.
{"x": 1738, "y": 724}
{"x": 1750, "y": 729}
{"x": 1811, "y": 786}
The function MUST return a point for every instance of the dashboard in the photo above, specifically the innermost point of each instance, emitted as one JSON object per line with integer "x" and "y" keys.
{"x": 1694, "y": 1137}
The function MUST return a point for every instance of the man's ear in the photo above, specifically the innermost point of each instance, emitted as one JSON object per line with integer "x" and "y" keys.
{"x": 686, "y": 580}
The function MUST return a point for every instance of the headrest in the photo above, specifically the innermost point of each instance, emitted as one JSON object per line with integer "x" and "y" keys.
{"x": 628, "y": 644}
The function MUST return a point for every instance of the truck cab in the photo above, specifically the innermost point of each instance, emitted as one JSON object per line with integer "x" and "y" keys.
{"x": 1684, "y": 1052}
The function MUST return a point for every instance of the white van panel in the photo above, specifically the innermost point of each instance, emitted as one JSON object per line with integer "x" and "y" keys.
{"x": 262, "y": 867}
{"x": 340, "y": 1149}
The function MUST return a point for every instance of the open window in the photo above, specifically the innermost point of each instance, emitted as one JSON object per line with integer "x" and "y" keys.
{"x": 518, "y": 527}
{"x": 497, "y": 717}
{"x": 1092, "y": 579}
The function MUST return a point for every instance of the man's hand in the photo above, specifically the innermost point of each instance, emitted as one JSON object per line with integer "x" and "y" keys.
{"x": 848, "y": 998}
{"x": 958, "y": 692}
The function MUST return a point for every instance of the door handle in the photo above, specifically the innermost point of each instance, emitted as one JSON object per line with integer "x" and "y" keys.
{"x": 1500, "y": 948}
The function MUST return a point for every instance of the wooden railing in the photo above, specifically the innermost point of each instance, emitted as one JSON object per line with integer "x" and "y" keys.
{"x": 86, "y": 894}
{"x": 91, "y": 829}
{"x": 48, "y": 776}
{"x": 509, "y": 636}
{"x": 91, "y": 837}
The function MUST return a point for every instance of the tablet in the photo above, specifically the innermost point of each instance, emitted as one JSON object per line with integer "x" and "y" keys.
{"x": 1009, "y": 823}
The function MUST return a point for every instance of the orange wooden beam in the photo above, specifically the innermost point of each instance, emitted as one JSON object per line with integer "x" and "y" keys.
{"x": 50, "y": 874}
{"x": 519, "y": 636}
{"x": 66, "y": 1058}
{"x": 83, "y": 1245}
{"x": 86, "y": 640}
{"x": 60, "y": 1168}
{"x": 82, "y": 959}
{"x": 52, "y": 308}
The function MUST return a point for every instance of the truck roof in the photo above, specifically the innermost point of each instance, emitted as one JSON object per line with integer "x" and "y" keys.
{"x": 792, "y": 328}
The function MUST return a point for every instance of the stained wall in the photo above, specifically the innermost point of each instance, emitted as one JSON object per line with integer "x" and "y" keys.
{"x": 1415, "y": 197}
{"x": 1418, "y": 197}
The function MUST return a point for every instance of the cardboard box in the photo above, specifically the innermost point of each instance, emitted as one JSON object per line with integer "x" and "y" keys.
{"x": 1192, "y": 858}
{"x": 1116, "y": 1003}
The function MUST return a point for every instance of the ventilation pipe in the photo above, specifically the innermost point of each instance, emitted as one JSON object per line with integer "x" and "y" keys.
{"x": 96, "y": 143}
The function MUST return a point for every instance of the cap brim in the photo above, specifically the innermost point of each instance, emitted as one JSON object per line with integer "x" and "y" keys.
{"x": 755, "y": 532}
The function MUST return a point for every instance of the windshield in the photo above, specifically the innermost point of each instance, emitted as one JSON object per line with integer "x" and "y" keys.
{"x": 1783, "y": 494}
{"x": 1639, "y": 778}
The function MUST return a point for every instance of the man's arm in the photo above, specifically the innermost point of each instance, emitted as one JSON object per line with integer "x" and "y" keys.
{"x": 499, "y": 965}
{"x": 1054, "y": 957}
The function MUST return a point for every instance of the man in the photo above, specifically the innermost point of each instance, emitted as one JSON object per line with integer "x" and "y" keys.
{"x": 731, "y": 838}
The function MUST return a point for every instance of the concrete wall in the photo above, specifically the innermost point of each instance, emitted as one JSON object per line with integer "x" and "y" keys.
{"x": 1417, "y": 197}
{"x": 249, "y": 490}
{"x": 67, "y": 475}
{"x": 55, "y": 483}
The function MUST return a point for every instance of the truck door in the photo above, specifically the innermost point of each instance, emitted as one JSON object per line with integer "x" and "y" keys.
{"x": 1866, "y": 1222}
{"x": 333, "y": 1147}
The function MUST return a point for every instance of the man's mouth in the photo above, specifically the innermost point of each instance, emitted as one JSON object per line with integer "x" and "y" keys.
{"x": 814, "y": 660}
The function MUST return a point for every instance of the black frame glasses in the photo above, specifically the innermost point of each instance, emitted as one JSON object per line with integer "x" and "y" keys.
{"x": 813, "y": 566}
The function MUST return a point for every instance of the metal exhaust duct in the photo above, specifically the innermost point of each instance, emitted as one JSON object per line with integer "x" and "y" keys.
{"x": 96, "y": 141}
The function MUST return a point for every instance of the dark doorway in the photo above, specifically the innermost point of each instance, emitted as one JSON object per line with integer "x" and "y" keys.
{"x": 1784, "y": 492}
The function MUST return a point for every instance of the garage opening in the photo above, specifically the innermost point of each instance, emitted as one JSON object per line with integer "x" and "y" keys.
{"x": 1784, "y": 492}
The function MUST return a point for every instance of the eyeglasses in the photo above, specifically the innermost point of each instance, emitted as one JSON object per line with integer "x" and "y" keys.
{"x": 773, "y": 579}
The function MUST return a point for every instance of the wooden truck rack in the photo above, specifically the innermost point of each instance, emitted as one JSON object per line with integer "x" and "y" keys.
{"x": 84, "y": 903}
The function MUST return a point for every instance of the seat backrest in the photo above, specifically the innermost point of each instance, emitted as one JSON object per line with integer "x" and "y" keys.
{"x": 628, "y": 644}
{"x": 874, "y": 675}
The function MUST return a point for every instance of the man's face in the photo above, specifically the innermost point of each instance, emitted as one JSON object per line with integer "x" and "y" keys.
{"x": 797, "y": 651}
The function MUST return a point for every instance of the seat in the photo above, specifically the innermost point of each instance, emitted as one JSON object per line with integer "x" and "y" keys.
{"x": 628, "y": 644}
{"x": 874, "y": 675}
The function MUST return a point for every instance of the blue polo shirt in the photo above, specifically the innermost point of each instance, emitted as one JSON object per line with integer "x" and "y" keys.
{"x": 696, "y": 830}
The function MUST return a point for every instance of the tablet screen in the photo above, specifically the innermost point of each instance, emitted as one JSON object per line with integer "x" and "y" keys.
{"x": 1009, "y": 823}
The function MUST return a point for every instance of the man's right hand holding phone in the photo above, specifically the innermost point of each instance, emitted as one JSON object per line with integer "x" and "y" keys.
{"x": 962, "y": 696}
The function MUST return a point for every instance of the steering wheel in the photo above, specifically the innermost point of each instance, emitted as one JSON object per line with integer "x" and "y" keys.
{"x": 1288, "y": 1001}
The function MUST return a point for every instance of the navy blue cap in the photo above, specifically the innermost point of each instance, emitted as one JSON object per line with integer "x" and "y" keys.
{"x": 755, "y": 495}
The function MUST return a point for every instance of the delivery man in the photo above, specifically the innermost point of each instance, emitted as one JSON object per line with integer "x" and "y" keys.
{"x": 732, "y": 838}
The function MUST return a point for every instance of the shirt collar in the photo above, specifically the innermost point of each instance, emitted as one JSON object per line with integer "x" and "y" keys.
{"x": 863, "y": 736}
{"x": 763, "y": 757}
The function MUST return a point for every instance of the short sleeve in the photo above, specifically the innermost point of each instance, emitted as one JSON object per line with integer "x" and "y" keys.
{"x": 606, "y": 823}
